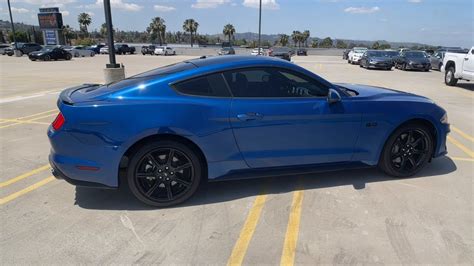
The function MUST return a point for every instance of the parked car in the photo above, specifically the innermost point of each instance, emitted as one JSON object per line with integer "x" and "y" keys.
{"x": 148, "y": 49}
{"x": 24, "y": 48}
{"x": 255, "y": 51}
{"x": 96, "y": 48}
{"x": 376, "y": 59}
{"x": 458, "y": 66}
{"x": 413, "y": 60}
{"x": 104, "y": 50}
{"x": 79, "y": 51}
{"x": 50, "y": 53}
{"x": 164, "y": 50}
{"x": 345, "y": 54}
{"x": 227, "y": 117}
{"x": 226, "y": 51}
{"x": 302, "y": 51}
{"x": 437, "y": 58}
{"x": 281, "y": 52}
{"x": 124, "y": 49}
{"x": 355, "y": 54}
{"x": 3, "y": 46}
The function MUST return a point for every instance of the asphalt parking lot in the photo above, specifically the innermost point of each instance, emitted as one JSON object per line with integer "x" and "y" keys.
{"x": 356, "y": 217}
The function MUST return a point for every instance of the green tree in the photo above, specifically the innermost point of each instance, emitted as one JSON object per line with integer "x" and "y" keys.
{"x": 315, "y": 43}
{"x": 296, "y": 37}
{"x": 385, "y": 46}
{"x": 326, "y": 43}
{"x": 20, "y": 36}
{"x": 304, "y": 37}
{"x": 340, "y": 44}
{"x": 229, "y": 31}
{"x": 283, "y": 39}
{"x": 191, "y": 26}
{"x": 67, "y": 33}
{"x": 103, "y": 30}
{"x": 84, "y": 20}
{"x": 157, "y": 28}
{"x": 376, "y": 45}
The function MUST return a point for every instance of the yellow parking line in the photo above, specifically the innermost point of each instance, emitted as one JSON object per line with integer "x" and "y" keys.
{"x": 462, "y": 159}
{"x": 26, "y": 190}
{"x": 25, "y": 175}
{"x": 461, "y": 146}
{"x": 23, "y": 122}
{"x": 240, "y": 248}
{"x": 292, "y": 231}
{"x": 463, "y": 134}
{"x": 28, "y": 116}
{"x": 27, "y": 121}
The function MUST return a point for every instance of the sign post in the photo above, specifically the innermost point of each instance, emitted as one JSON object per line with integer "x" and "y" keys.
{"x": 51, "y": 23}
{"x": 112, "y": 71}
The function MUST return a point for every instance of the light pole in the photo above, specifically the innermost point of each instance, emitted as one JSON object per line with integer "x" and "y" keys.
{"x": 13, "y": 26}
{"x": 259, "y": 25}
{"x": 113, "y": 71}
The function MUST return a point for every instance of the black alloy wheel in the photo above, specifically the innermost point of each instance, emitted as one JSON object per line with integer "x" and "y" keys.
{"x": 164, "y": 173}
{"x": 407, "y": 151}
{"x": 47, "y": 58}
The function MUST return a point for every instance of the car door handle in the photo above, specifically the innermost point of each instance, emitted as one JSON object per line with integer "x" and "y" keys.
{"x": 249, "y": 116}
{"x": 466, "y": 58}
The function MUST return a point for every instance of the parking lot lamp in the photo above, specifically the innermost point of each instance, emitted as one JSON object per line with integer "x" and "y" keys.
{"x": 13, "y": 28}
{"x": 259, "y": 26}
{"x": 113, "y": 71}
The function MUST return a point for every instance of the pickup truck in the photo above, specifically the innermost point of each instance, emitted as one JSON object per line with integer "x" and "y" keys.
{"x": 124, "y": 49}
{"x": 458, "y": 66}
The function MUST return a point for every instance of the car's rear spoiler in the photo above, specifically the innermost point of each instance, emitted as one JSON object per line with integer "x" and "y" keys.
{"x": 66, "y": 94}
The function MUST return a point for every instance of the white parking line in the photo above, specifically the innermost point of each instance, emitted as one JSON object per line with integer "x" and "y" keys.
{"x": 21, "y": 98}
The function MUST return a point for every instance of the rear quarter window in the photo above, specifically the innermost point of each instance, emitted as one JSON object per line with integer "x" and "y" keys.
{"x": 211, "y": 85}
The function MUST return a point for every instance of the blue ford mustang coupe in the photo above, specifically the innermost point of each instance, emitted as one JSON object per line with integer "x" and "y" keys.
{"x": 228, "y": 117}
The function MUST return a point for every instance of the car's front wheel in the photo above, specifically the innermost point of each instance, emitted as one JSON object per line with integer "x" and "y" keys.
{"x": 407, "y": 150}
{"x": 164, "y": 173}
{"x": 449, "y": 78}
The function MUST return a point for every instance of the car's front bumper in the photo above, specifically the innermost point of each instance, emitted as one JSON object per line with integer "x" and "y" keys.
{"x": 380, "y": 65}
{"x": 416, "y": 66}
{"x": 441, "y": 147}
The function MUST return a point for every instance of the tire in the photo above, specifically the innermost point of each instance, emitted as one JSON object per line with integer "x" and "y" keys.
{"x": 92, "y": 54}
{"x": 449, "y": 78}
{"x": 348, "y": 61}
{"x": 440, "y": 66}
{"x": 68, "y": 57}
{"x": 47, "y": 58}
{"x": 76, "y": 55}
{"x": 174, "y": 52}
{"x": 404, "y": 156}
{"x": 404, "y": 67}
{"x": 159, "y": 174}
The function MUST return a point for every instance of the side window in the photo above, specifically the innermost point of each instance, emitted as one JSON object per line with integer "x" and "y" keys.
{"x": 273, "y": 82}
{"x": 210, "y": 85}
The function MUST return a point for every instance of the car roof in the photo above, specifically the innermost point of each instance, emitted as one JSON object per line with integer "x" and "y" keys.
{"x": 221, "y": 60}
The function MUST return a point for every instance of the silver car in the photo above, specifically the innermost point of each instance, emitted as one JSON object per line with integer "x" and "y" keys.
{"x": 79, "y": 51}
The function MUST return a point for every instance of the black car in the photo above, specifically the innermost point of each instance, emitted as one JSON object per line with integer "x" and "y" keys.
{"x": 148, "y": 49}
{"x": 281, "y": 52}
{"x": 50, "y": 53}
{"x": 124, "y": 49}
{"x": 376, "y": 59}
{"x": 226, "y": 51}
{"x": 414, "y": 60}
{"x": 345, "y": 54}
{"x": 24, "y": 48}
{"x": 302, "y": 52}
{"x": 96, "y": 48}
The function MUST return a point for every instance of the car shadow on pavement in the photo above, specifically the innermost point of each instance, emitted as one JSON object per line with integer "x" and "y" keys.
{"x": 466, "y": 86}
{"x": 215, "y": 192}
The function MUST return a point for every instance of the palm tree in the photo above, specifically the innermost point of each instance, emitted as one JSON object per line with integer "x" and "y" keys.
{"x": 103, "y": 30}
{"x": 229, "y": 31}
{"x": 305, "y": 36}
{"x": 67, "y": 31}
{"x": 157, "y": 27}
{"x": 296, "y": 36}
{"x": 84, "y": 20}
{"x": 191, "y": 26}
{"x": 284, "y": 39}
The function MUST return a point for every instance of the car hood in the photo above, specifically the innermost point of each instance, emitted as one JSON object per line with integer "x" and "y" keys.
{"x": 418, "y": 60}
{"x": 380, "y": 59}
{"x": 378, "y": 93}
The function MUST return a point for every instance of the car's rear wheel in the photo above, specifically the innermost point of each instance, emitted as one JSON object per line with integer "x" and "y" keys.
{"x": 407, "y": 150}
{"x": 68, "y": 57}
{"x": 164, "y": 173}
{"x": 449, "y": 78}
{"x": 47, "y": 58}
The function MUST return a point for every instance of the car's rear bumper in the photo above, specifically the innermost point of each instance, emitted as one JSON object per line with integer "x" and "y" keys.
{"x": 60, "y": 175}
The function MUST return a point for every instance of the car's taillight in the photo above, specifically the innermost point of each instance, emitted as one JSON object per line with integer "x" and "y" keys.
{"x": 58, "y": 122}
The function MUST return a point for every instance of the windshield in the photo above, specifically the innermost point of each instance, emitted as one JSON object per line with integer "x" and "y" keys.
{"x": 376, "y": 53}
{"x": 391, "y": 53}
{"x": 415, "y": 54}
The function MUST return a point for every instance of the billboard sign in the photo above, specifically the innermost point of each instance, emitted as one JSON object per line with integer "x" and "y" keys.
{"x": 51, "y": 19}
{"x": 50, "y": 37}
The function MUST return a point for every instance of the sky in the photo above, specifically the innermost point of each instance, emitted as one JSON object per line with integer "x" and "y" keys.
{"x": 436, "y": 22}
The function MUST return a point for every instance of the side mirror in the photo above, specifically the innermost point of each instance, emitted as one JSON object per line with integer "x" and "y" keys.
{"x": 333, "y": 96}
